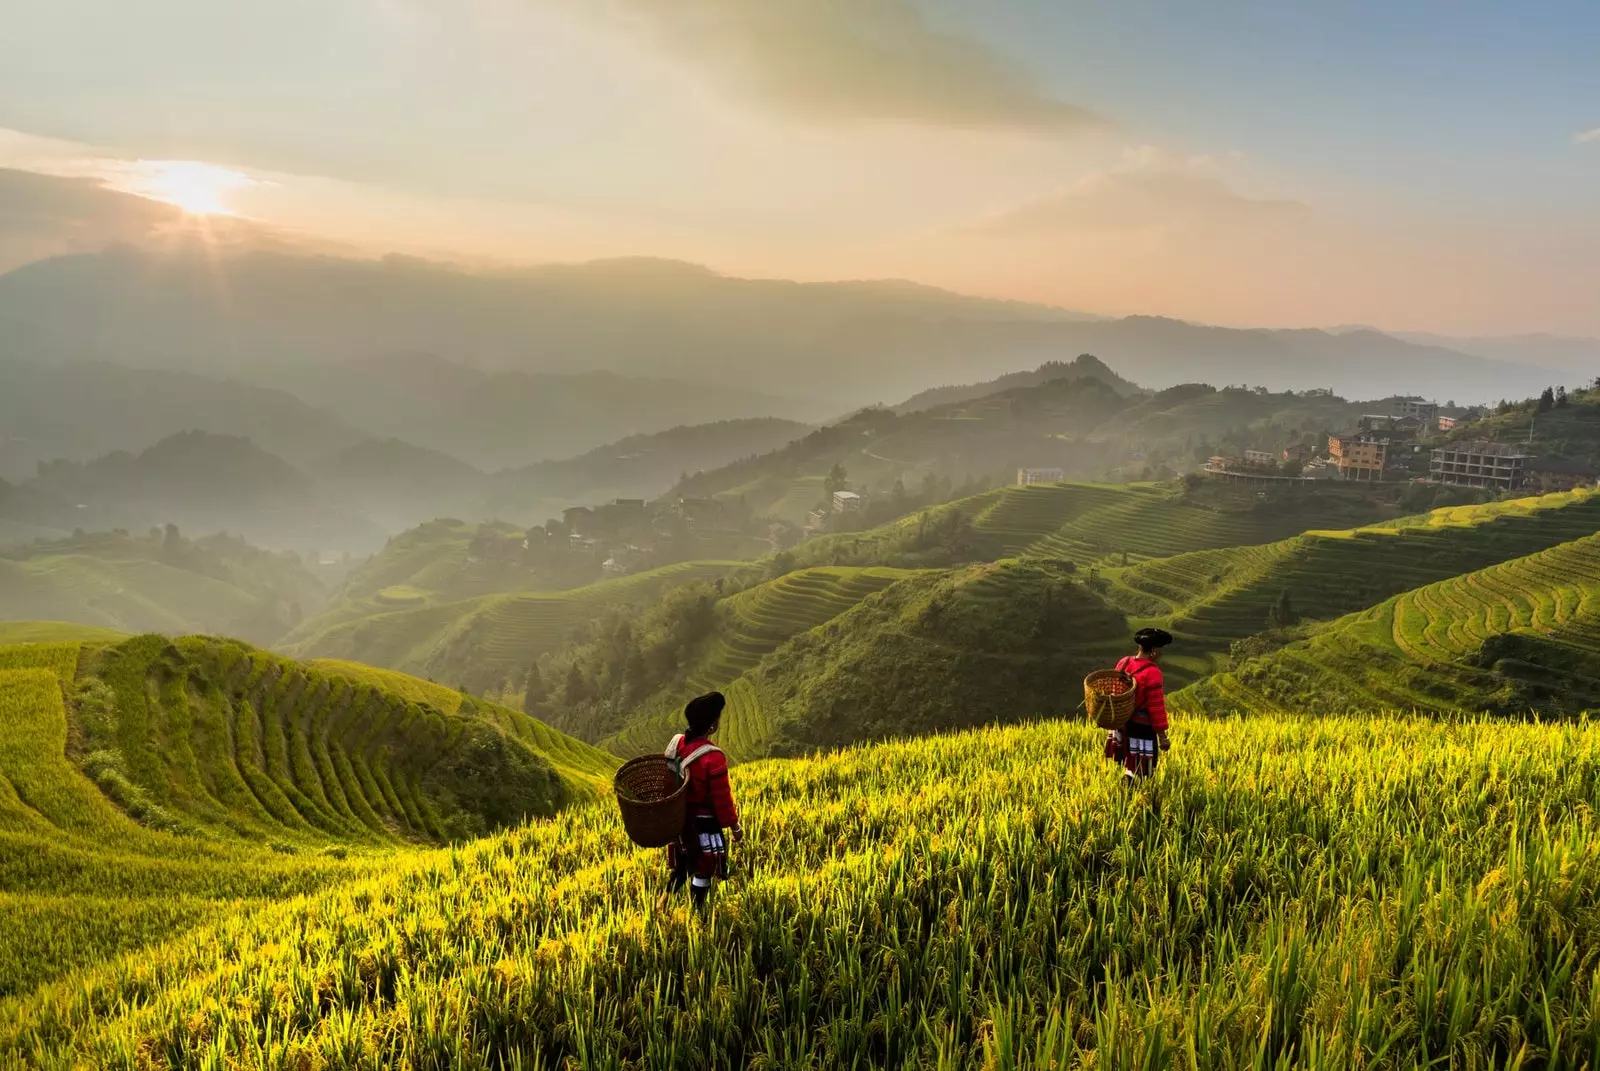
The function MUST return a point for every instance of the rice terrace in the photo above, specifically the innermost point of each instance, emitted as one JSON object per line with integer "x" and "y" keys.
{"x": 771, "y": 535}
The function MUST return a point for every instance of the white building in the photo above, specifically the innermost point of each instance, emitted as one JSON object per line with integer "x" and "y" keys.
{"x": 846, "y": 502}
{"x": 1029, "y": 477}
{"x": 1259, "y": 457}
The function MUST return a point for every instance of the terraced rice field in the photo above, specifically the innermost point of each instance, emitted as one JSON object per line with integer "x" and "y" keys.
{"x": 753, "y": 624}
{"x": 484, "y": 642}
{"x": 1214, "y": 597}
{"x": 1097, "y": 523}
{"x": 1020, "y": 517}
{"x": 1429, "y": 648}
{"x": 1302, "y": 894}
{"x": 80, "y": 880}
{"x": 1153, "y": 523}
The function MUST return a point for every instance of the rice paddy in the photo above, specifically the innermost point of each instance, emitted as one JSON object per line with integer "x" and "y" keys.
{"x": 1519, "y": 636}
{"x": 753, "y": 624}
{"x": 1211, "y": 598}
{"x": 1096, "y": 524}
{"x": 1375, "y": 892}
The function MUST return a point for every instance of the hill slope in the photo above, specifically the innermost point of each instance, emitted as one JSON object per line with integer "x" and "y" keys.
{"x": 161, "y": 583}
{"x": 826, "y": 658}
{"x": 1211, "y": 598}
{"x": 1089, "y": 429}
{"x": 206, "y": 482}
{"x": 142, "y": 779}
{"x": 1310, "y": 894}
{"x": 483, "y": 643}
{"x": 1519, "y": 636}
{"x": 81, "y": 411}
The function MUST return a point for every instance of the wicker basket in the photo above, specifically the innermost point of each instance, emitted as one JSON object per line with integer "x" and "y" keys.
{"x": 1111, "y": 708}
{"x": 653, "y": 800}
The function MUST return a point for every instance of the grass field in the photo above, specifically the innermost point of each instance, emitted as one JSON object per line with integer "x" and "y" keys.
{"x": 1518, "y": 636}
{"x": 484, "y": 642}
{"x": 1374, "y": 893}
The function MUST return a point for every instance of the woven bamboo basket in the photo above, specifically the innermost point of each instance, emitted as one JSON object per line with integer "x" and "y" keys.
{"x": 653, "y": 800}
{"x": 1108, "y": 693}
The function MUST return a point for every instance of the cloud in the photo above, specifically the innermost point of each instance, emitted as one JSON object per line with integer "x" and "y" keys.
{"x": 1587, "y": 136}
{"x": 1148, "y": 189}
{"x": 850, "y": 60}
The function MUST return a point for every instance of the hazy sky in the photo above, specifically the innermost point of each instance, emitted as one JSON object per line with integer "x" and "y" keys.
{"x": 1422, "y": 164}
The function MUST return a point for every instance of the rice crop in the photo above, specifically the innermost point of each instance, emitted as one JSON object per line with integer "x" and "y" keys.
{"x": 1376, "y": 892}
{"x": 1210, "y": 598}
{"x": 1514, "y": 637}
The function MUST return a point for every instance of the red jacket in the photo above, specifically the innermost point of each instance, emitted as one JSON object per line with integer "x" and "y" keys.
{"x": 1149, "y": 692}
{"x": 707, "y": 768}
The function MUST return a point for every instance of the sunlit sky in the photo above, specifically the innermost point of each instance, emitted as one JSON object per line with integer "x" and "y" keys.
{"x": 1414, "y": 164}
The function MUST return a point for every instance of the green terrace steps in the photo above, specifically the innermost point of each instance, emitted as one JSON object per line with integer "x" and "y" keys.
{"x": 751, "y": 625}
{"x": 214, "y": 737}
{"x": 1021, "y": 517}
{"x": 1518, "y": 636}
{"x": 1215, "y": 597}
{"x": 1098, "y": 523}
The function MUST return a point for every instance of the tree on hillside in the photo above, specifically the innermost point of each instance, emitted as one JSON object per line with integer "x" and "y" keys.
{"x": 836, "y": 479}
{"x": 1282, "y": 614}
{"x": 577, "y": 689}
{"x": 533, "y": 690}
{"x": 1547, "y": 399}
{"x": 1561, "y": 397}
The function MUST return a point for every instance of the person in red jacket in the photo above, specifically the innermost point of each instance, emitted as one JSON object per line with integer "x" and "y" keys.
{"x": 1138, "y": 744}
{"x": 701, "y": 854}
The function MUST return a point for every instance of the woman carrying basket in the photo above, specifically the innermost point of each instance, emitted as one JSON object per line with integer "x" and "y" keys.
{"x": 1138, "y": 744}
{"x": 701, "y": 854}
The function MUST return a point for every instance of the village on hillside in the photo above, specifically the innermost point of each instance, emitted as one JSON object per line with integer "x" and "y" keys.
{"x": 1420, "y": 441}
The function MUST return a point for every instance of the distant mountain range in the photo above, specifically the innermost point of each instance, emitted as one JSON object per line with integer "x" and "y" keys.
{"x": 1557, "y": 353}
{"x": 287, "y": 318}
{"x": 81, "y": 410}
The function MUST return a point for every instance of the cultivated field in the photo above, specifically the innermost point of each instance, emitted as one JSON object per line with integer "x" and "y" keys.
{"x": 1211, "y": 598}
{"x": 1514, "y": 637}
{"x": 751, "y": 625}
{"x": 1370, "y": 892}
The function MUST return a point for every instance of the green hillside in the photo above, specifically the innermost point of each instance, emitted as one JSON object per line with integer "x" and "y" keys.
{"x": 487, "y": 642}
{"x": 146, "y": 784}
{"x": 748, "y": 626}
{"x": 1298, "y": 894}
{"x": 432, "y": 563}
{"x": 158, "y": 583}
{"x": 1090, "y": 429}
{"x": 1212, "y": 598}
{"x": 1515, "y": 637}
{"x": 937, "y": 651}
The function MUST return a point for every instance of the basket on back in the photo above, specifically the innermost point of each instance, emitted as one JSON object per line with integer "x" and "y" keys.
{"x": 1108, "y": 693}
{"x": 653, "y": 799}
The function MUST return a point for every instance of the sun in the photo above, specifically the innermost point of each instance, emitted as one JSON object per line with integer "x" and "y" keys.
{"x": 198, "y": 188}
